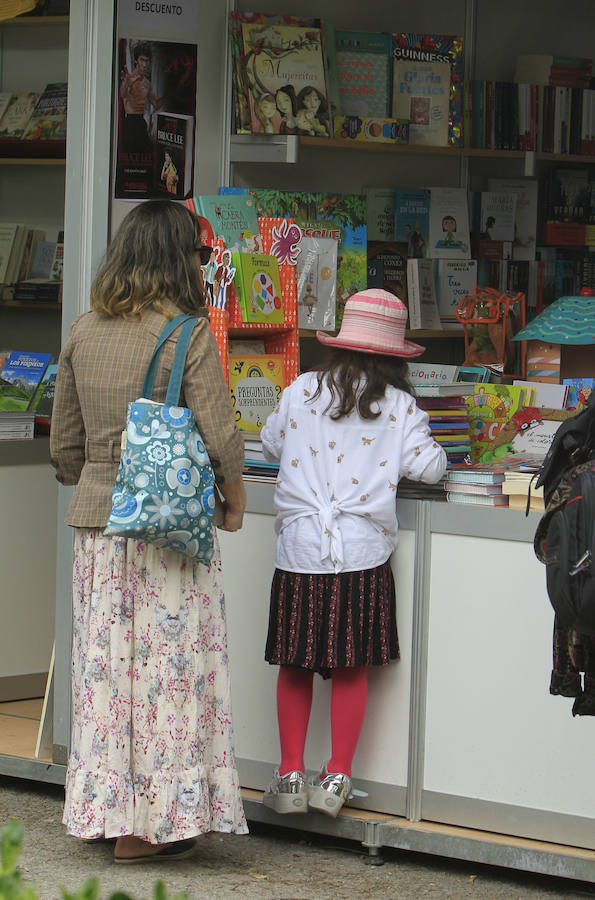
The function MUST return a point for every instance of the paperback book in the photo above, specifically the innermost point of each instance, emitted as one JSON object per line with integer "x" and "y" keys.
{"x": 421, "y": 96}
{"x": 449, "y": 224}
{"x": 380, "y": 209}
{"x": 387, "y": 267}
{"x": 43, "y": 398}
{"x": 364, "y": 70}
{"x": 316, "y": 271}
{"x": 17, "y": 115}
{"x": 525, "y": 218}
{"x": 48, "y": 120}
{"x": 20, "y": 377}
{"x": 233, "y": 219}
{"x": 477, "y": 499}
{"x": 256, "y": 383}
{"x": 258, "y": 288}
{"x": 173, "y": 158}
{"x": 421, "y": 293}
{"x": 412, "y": 220}
{"x": 454, "y": 281}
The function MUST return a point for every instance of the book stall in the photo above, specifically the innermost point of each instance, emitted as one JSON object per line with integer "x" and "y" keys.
{"x": 471, "y": 203}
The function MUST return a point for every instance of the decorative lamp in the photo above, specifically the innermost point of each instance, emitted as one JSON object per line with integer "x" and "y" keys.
{"x": 564, "y": 331}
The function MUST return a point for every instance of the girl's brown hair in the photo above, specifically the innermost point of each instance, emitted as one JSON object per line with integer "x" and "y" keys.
{"x": 151, "y": 259}
{"x": 358, "y": 380}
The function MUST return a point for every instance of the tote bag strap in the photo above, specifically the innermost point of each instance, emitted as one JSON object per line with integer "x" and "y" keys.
{"x": 172, "y": 398}
{"x": 168, "y": 329}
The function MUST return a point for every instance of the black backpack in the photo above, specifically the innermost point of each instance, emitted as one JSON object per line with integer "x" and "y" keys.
{"x": 565, "y": 537}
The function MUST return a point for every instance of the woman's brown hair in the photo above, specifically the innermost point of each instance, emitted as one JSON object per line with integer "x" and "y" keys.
{"x": 358, "y": 380}
{"x": 151, "y": 259}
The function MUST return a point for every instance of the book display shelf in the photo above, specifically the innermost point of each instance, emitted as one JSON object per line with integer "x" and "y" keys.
{"x": 32, "y": 185}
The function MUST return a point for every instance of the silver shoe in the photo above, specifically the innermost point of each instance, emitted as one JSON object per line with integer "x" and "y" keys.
{"x": 327, "y": 793}
{"x": 287, "y": 793}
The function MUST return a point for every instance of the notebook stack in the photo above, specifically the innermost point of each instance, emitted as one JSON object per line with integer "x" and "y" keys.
{"x": 255, "y": 465}
{"x": 481, "y": 487}
{"x": 449, "y": 422}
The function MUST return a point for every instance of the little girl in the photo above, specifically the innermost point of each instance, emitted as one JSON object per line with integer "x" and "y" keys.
{"x": 343, "y": 435}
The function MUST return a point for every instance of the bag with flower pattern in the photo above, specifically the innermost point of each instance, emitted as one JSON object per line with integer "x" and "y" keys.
{"x": 164, "y": 491}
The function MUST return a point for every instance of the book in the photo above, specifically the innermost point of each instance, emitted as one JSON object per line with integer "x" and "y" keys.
{"x": 285, "y": 77}
{"x": 20, "y": 377}
{"x": 173, "y": 157}
{"x": 477, "y": 499}
{"x": 8, "y": 233}
{"x": 490, "y": 407}
{"x": 473, "y": 475}
{"x": 380, "y": 211}
{"x": 525, "y": 217}
{"x": 421, "y": 294}
{"x": 17, "y": 114}
{"x": 34, "y": 236}
{"x": 43, "y": 399}
{"x": 441, "y": 48}
{"x": 364, "y": 71}
{"x": 431, "y": 373}
{"x": 449, "y": 224}
{"x": 421, "y": 96}
{"x": 551, "y": 396}
{"x": 16, "y": 254}
{"x": 519, "y": 501}
{"x": 258, "y": 287}
{"x": 497, "y": 210}
{"x": 412, "y": 220}
{"x": 316, "y": 272}
{"x": 5, "y": 98}
{"x": 233, "y": 219}
{"x": 57, "y": 270}
{"x": 387, "y": 267}
{"x": 454, "y": 281}
{"x": 48, "y": 119}
{"x": 41, "y": 267}
{"x": 471, "y": 487}
{"x": 255, "y": 384}
{"x": 579, "y": 392}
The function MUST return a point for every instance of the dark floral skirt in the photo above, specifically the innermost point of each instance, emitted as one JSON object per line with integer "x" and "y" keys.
{"x": 330, "y": 621}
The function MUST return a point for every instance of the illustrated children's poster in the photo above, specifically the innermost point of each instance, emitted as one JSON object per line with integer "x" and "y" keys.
{"x": 155, "y": 119}
{"x": 449, "y": 224}
{"x": 285, "y": 76}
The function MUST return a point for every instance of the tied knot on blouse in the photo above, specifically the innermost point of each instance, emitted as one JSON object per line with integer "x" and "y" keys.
{"x": 332, "y": 540}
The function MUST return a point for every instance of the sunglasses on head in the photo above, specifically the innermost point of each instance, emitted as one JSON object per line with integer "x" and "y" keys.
{"x": 204, "y": 254}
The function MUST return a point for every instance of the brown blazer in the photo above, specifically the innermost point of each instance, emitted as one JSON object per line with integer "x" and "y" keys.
{"x": 101, "y": 369}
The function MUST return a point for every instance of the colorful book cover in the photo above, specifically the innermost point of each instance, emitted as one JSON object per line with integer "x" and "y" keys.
{"x": 364, "y": 68}
{"x": 285, "y": 76}
{"x": 233, "y": 218}
{"x": 20, "y": 378}
{"x": 173, "y": 157}
{"x": 43, "y": 399}
{"x": 490, "y": 407}
{"x": 579, "y": 392}
{"x": 48, "y": 120}
{"x": 449, "y": 224}
{"x": 17, "y": 115}
{"x": 438, "y": 48}
{"x": 387, "y": 267}
{"x": 316, "y": 271}
{"x": 454, "y": 281}
{"x": 338, "y": 216}
{"x": 432, "y": 373}
{"x": 259, "y": 288}
{"x": 421, "y": 96}
{"x": 412, "y": 220}
{"x": 255, "y": 383}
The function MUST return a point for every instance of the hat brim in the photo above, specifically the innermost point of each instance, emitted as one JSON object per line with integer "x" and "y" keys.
{"x": 407, "y": 351}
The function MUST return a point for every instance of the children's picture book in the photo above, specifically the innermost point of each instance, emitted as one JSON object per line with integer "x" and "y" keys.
{"x": 258, "y": 287}
{"x": 285, "y": 77}
{"x": 387, "y": 267}
{"x": 490, "y": 407}
{"x": 421, "y": 96}
{"x": 316, "y": 271}
{"x": 20, "y": 378}
{"x": 48, "y": 120}
{"x": 173, "y": 158}
{"x": 364, "y": 71}
{"x": 525, "y": 217}
{"x": 437, "y": 48}
{"x": 421, "y": 294}
{"x": 233, "y": 218}
{"x": 580, "y": 390}
{"x": 380, "y": 204}
{"x": 17, "y": 114}
{"x": 412, "y": 220}
{"x": 454, "y": 281}
{"x": 338, "y": 216}
{"x": 255, "y": 383}
{"x": 449, "y": 224}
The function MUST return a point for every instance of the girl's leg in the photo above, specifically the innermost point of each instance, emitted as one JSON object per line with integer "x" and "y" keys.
{"x": 294, "y": 702}
{"x": 348, "y": 708}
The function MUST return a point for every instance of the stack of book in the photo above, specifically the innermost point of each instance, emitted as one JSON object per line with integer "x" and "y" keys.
{"x": 522, "y": 494}
{"x": 26, "y": 379}
{"x": 475, "y": 486}
{"x": 449, "y": 423}
{"x": 255, "y": 465}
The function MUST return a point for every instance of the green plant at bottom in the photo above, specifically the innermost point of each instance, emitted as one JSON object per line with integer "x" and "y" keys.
{"x": 12, "y": 886}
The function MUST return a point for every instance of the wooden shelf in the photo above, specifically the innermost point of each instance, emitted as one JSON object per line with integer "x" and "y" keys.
{"x": 31, "y": 304}
{"x": 30, "y": 161}
{"x": 37, "y": 20}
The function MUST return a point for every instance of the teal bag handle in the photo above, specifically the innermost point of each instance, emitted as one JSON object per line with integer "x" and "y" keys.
{"x": 168, "y": 329}
{"x": 174, "y": 387}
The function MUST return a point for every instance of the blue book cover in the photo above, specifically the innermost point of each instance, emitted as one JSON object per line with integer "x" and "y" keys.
{"x": 19, "y": 379}
{"x": 412, "y": 220}
{"x": 233, "y": 219}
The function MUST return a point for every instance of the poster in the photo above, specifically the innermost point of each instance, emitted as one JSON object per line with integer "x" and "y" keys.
{"x": 156, "y": 119}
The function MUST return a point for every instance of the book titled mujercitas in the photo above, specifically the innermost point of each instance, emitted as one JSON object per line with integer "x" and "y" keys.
{"x": 259, "y": 288}
{"x": 255, "y": 383}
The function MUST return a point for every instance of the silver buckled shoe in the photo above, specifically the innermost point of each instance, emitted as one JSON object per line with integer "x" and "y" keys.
{"x": 327, "y": 793}
{"x": 287, "y": 793}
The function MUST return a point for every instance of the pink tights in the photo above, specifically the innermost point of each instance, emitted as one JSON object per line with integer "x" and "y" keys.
{"x": 348, "y": 707}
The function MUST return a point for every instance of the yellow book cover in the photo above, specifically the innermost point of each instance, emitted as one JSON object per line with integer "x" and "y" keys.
{"x": 255, "y": 383}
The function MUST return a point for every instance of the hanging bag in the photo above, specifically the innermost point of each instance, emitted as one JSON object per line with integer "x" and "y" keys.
{"x": 164, "y": 491}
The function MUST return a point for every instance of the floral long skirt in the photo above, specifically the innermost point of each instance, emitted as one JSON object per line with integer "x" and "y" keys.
{"x": 152, "y": 740}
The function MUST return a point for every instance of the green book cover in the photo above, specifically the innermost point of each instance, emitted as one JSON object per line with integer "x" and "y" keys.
{"x": 259, "y": 288}
{"x": 233, "y": 218}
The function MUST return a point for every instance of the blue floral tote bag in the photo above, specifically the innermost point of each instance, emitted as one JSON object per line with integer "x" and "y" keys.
{"x": 165, "y": 487}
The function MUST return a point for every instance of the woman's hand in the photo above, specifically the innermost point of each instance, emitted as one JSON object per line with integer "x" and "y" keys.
{"x": 234, "y": 504}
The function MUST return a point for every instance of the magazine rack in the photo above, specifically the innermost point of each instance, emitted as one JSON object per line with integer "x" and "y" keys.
{"x": 490, "y": 319}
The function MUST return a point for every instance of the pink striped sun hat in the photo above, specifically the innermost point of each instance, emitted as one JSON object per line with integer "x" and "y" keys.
{"x": 374, "y": 321}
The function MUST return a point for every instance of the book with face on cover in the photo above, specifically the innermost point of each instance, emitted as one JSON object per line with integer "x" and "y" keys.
{"x": 255, "y": 384}
{"x": 173, "y": 157}
{"x": 449, "y": 224}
